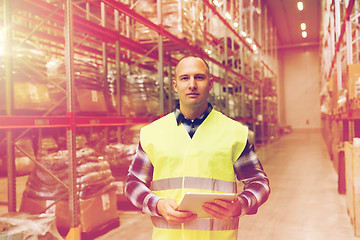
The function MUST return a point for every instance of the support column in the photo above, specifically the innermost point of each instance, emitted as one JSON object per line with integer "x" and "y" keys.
{"x": 160, "y": 60}
{"x": 9, "y": 90}
{"x": 71, "y": 139}
{"x": 118, "y": 72}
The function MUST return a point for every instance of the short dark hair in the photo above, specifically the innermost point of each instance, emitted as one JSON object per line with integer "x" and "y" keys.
{"x": 194, "y": 56}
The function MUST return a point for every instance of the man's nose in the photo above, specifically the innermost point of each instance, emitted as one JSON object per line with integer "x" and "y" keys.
{"x": 192, "y": 84}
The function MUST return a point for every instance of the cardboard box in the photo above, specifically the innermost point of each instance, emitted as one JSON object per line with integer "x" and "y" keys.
{"x": 90, "y": 101}
{"x": 31, "y": 96}
{"x": 354, "y": 79}
{"x": 23, "y": 164}
{"x": 179, "y": 17}
{"x": 352, "y": 168}
{"x": 95, "y": 213}
{"x": 349, "y": 180}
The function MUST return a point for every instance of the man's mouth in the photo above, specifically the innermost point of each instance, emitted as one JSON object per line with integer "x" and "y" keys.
{"x": 193, "y": 94}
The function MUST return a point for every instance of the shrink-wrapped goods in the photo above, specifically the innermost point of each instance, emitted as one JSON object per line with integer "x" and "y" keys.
{"x": 120, "y": 155}
{"x": 88, "y": 81}
{"x": 181, "y": 18}
{"x": 132, "y": 134}
{"x": 89, "y": 183}
{"x": 139, "y": 94}
{"x": 23, "y": 163}
{"x": 46, "y": 146}
{"x": 352, "y": 180}
{"x": 28, "y": 75}
{"x": 16, "y": 226}
{"x": 95, "y": 188}
{"x": 143, "y": 91}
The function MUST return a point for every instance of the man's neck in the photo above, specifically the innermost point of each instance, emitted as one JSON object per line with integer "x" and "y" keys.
{"x": 193, "y": 113}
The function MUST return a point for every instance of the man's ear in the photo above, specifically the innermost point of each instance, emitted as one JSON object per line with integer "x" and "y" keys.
{"x": 174, "y": 85}
{"x": 211, "y": 83}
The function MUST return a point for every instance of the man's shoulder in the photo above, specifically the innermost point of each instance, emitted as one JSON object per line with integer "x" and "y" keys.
{"x": 227, "y": 119}
{"x": 160, "y": 121}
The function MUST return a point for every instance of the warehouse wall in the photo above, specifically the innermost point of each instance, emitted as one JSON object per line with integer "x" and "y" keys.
{"x": 300, "y": 87}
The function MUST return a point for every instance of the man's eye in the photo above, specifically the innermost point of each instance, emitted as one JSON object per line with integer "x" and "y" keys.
{"x": 199, "y": 77}
{"x": 184, "y": 78}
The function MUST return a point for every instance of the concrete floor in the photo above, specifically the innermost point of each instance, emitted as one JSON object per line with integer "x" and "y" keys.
{"x": 304, "y": 203}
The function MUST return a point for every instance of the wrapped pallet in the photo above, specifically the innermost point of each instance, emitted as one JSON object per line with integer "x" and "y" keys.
{"x": 141, "y": 95}
{"x": 15, "y": 226}
{"x": 120, "y": 157}
{"x": 181, "y": 18}
{"x": 89, "y": 86}
{"x": 95, "y": 188}
{"x": 352, "y": 173}
{"x": 31, "y": 93}
{"x": 23, "y": 163}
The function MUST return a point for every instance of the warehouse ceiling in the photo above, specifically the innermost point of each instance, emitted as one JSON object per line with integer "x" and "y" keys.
{"x": 287, "y": 18}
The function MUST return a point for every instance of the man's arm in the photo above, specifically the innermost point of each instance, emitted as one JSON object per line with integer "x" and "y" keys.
{"x": 138, "y": 183}
{"x": 256, "y": 184}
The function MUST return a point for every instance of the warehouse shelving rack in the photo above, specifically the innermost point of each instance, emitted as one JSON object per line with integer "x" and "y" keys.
{"x": 340, "y": 45}
{"x": 341, "y": 101}
{"x": 108, "y": 39}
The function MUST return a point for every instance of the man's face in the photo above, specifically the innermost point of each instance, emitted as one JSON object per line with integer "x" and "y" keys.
{"x": 192, "y": 82}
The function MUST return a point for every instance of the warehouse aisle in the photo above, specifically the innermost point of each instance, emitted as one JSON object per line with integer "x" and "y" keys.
{"x": 304, "y": 203}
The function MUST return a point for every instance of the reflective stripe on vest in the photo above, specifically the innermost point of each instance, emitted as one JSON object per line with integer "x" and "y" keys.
{"x": 194, "y": 182}
{"x": 207, "y": 224}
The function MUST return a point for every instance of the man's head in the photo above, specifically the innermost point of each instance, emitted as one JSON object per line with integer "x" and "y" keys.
{"x": 192, "y": 83}
{"x": 193, "y": 56}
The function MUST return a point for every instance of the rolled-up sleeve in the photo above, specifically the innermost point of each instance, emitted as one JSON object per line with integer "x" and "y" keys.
{"x": 249, "y": 170}
{"x": 137, "y": 187}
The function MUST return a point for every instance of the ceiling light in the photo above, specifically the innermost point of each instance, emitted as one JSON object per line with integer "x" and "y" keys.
{"x": 304, "y": 34}
{"x": 303, "y": 26}
{"x": 300, "y": 6}
{"x": 228, "y": 16}
{"x": 236, "y": 24}
{"x": 254, "y": 47}
{"x": 217, "y": 3}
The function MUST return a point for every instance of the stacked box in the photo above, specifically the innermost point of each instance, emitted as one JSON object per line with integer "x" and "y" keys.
{"x": 95, "y": 188}
{"x": 352, "y": 171}
{"x": 95, "y": 212}
{"x": 23, "y": 164}
{"x": 28, "y": 76}
{"x": 354, "y": 80}
{"x": 181, "y": 18}
{"x": 349, "y": 180}
{"x": 90, "y": 100}
{"x": 356, "y": 172}
{"x": 141, "y": 97}
{"x": 31, "y": 96}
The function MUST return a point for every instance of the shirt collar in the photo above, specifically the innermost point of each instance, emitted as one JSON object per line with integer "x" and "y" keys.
{"x": 181, "y": 118}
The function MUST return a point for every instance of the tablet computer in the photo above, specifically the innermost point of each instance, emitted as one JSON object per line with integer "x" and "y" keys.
{"x": 193, "y": 202}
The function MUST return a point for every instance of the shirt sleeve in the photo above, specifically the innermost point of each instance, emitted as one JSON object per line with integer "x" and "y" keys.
{"x": 249, "y": 170}
{"x": 137, "y": 187}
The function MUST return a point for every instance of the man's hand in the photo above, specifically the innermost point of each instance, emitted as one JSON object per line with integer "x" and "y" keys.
{"x": 223, "y": 209}
{"x": 169, "y": 210}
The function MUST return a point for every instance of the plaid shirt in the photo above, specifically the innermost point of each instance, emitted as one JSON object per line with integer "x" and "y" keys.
{"x": 248, "y": 169}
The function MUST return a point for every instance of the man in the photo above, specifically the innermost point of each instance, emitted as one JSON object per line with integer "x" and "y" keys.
{"x": 195, "y": 148}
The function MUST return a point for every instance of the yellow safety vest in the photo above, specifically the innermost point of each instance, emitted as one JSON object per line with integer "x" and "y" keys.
{"x": 203, "y": 163}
